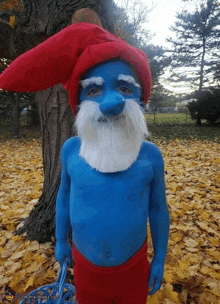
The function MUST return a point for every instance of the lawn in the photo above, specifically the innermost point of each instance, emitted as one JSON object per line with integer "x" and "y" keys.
{"x": 174, "y": 126}
{"x": 184, "y": 132}
{"x": 163, "y": 118}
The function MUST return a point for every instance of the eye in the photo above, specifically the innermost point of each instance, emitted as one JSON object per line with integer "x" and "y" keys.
{"x": 124, "y": 90}
{"x": 94, "y": 92}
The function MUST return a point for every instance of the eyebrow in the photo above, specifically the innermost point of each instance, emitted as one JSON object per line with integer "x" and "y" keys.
{"x": 92, "y": 80}
{"x": 129, "y": 79}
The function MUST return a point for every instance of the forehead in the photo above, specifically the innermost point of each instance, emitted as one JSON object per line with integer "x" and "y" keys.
{"x": 110, "y": 70}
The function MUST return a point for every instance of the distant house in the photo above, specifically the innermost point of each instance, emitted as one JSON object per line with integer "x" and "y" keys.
{"x": 165, "y": 110}
{"x": 181, "y": 106}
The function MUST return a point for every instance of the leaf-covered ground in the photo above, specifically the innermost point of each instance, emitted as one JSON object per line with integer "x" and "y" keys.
{"x": 192, "y": 272}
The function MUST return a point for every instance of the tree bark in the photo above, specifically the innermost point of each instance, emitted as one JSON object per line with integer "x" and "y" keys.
{"x": 198, "y": 120}
{"x": 56, "y": 126}
{"x": 41, "y": 19}
{"x": 33, "y": 115}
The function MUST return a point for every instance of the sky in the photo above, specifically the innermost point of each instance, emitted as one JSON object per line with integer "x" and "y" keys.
{"x": 161, "y": 18}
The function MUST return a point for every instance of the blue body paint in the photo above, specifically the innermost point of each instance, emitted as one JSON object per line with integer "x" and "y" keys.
{"x": 108, "y": 212}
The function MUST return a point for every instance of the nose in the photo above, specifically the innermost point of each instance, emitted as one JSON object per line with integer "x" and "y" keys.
{"x": 112, "y": 105}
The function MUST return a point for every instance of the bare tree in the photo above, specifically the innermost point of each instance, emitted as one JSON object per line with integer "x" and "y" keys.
{"x": 196, "y": 46}
{"x": 130, "y": 19}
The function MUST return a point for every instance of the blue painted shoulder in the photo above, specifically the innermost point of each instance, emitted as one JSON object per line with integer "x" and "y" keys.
{"x": 152, "y": 152}
{"x": 151, "y": 147}
{"x": 69, "y": 146}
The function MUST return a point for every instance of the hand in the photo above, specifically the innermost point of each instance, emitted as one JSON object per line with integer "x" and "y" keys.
{"x": 63, "y": 251}
{"x": 156, "y": 276}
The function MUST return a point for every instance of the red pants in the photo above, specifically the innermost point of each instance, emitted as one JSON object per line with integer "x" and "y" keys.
{"x": 123, "y": 284}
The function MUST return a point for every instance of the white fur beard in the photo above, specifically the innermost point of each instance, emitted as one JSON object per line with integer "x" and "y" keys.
{"x": 113, "y": 145}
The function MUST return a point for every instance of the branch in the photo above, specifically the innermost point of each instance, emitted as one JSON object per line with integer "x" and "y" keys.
{"x": 7, "y": 47}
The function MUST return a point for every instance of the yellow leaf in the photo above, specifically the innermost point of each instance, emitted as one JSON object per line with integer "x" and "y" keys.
{"x": 12, "y": 21}
{"x": 177, "y": 237}
{"x": 168, "y": 277}
{"x": 17, "y": 255}
{"x": 205, "y": 270}
{"x": 17, "y": 278}
{"x": 186, "y": 206}
{"x": 29, "y": 283}
{"x": 177, "y": 188}
{"x": 17, "y": 238}
{"x": 155, "y": 298}
{"x": 214, "y": 254}
{"x": 190, "y": 242}
{"x": 11, "y": 268}
{"x": 4, "y": 280}
{"x": 33, "y": 267}
{"x": 204, "y": 215}
{"x": 214, "y": 242}
{"x": 170, "y": 294}
{"x": 50, "y": 274}
{"x": 214, "y": 285}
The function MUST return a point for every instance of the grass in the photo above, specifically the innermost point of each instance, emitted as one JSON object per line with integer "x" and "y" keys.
{"x": 180, "y": 126}
{"x": 163, "y": 118}
{"x": 166, "y": 127}
{"x": 184, "y": 132}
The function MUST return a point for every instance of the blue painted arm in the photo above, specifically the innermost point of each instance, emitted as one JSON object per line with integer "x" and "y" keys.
{"x": 63, "y": 248}
{"x": 159, "y": 223}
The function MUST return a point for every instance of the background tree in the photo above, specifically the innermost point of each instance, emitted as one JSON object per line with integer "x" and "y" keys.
{"x": 35, "y": 22}
{"x": 18, "y": 101}
{"x": 12, "y": 104}
{"x": 158, "y": 61}
{"x": 207, "y": 106}
{"x": 196, "y": 46}
{"x": 216, "y": 69}
{"x": 5, "y": 106}
{"x": 130, "y": 20}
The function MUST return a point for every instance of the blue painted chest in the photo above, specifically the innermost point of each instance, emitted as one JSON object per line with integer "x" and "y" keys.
{"x": 109, "y": 211}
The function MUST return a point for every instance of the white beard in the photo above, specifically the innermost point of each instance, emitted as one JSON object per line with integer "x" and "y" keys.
{"x": 112, "y": 145}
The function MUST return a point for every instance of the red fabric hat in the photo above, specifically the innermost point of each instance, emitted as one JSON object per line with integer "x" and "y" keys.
{"x": 66, "y": 56}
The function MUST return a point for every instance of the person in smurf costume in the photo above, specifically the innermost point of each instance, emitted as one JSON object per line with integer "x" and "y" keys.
{"x": 112, "y": 180}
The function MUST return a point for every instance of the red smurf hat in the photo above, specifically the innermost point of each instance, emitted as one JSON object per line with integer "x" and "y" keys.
{"x": 66, "y": 56}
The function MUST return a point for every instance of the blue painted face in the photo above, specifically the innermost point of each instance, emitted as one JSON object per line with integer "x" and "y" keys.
{"x": 110, "y": 84}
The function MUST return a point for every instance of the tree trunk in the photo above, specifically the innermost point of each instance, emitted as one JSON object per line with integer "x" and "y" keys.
{"x": 16, "y": 113}
{"x": 198, "y": 120}
{"x": 39, "y": 20}
{"x": 56, "y": 126}
{"x": 202, "y": 64}
{"x": 34, "y": 117}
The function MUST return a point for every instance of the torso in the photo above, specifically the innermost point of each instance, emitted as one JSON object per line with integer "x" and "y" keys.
{"x": 109, "y": 211}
